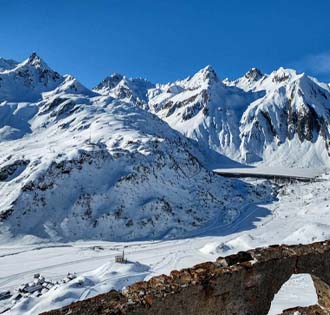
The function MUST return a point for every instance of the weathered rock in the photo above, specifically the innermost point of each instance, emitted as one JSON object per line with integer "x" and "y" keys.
{"x": 9, "y": 170}
{"x": 310, "y": 310}
{"x": 241, "y": 284}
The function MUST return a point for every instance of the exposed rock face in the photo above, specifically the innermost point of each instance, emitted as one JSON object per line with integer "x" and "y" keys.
{"x": 253, "y": 74}
{"x": 311, "y": 310}
{"x": 10, "y": 169}
{"x": 239, "y": 284}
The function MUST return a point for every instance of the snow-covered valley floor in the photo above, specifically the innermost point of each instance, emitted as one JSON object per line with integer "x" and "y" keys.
{"x": 300, "y": 215}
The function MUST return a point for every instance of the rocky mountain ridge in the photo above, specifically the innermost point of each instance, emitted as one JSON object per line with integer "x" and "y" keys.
{"x": 258, "y": 118}
{"x": 76, "y": 164}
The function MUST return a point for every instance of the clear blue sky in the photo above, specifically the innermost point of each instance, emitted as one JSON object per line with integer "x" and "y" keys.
{"x": 168, "y": 40}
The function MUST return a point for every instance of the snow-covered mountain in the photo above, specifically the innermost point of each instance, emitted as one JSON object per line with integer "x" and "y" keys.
{"x": 131, "y": 159}
{"x": 127, "y": 89}
{"x": 259, "y": 118}
{"x": 291, "y": 120}
{"x": 75, "y": 164}
{"x": 26, "y": 81}
{"x": 203, "y": 108}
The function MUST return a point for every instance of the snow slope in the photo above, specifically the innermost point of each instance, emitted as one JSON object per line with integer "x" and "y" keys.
{"x": 103, "y": 279}
{"x": 300, "y": 215}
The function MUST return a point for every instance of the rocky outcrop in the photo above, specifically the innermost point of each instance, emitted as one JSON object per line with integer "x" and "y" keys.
{"x": 310, "y": 310}
{"x": 9, "y": 171}
{"x": 253, "y": 74}
{"x": 239, "y": 284}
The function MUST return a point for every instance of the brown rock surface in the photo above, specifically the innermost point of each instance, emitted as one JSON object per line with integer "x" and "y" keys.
{"x": 241, "y": 284}
{"x": 310, "y": 310}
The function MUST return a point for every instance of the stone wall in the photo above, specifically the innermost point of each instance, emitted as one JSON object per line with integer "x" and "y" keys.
{"x": 244, "y": 283}
{"x": 310, "y": 310}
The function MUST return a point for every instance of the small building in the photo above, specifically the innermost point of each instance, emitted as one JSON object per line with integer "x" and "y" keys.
{"x": 121, "y": 258}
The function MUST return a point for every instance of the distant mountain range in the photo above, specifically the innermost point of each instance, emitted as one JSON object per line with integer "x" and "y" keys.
{"x": 258, "y": 118}
{"x": 132, "y": 160}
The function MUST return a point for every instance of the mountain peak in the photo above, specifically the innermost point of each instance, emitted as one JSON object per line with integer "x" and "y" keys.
{"x": 209, "y": 73}
{"x": 206, "y": 75}
{"x": 28, "y": 80}
{"x": 36, "y": 61}
{"x": 116, "y": 76}
{"x": 253, "y": 74}
{"x": 208, "y": 68}
{"x": 282, "y": 74}
{"x": 33, "y": 56}
{"x": 109, "y": 82}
